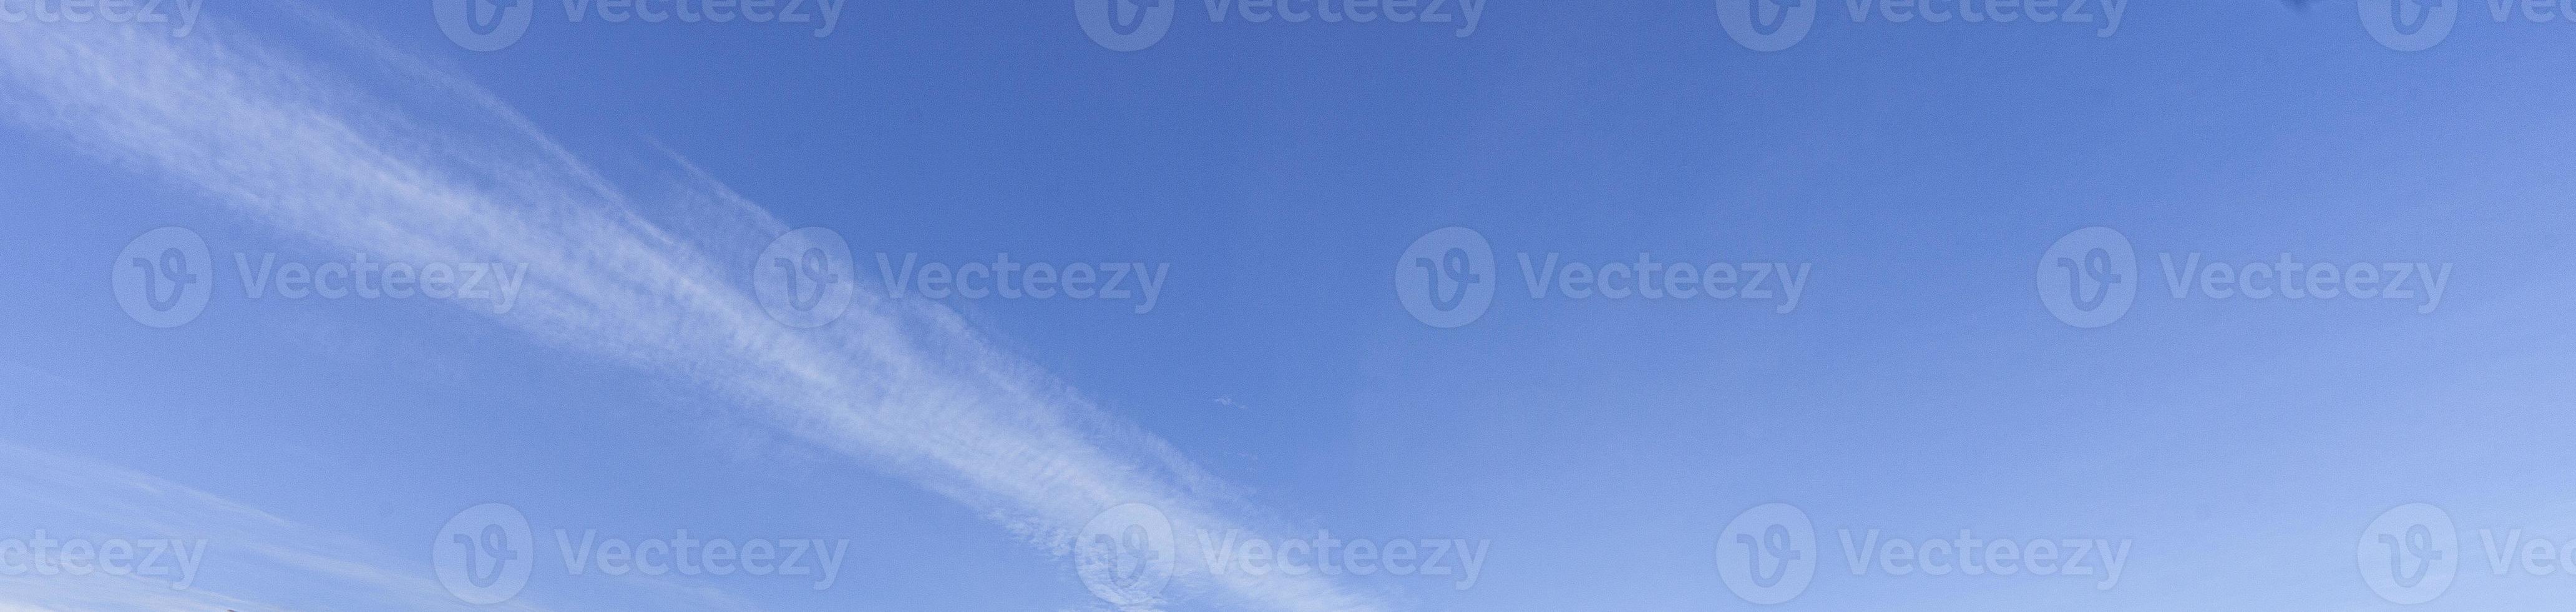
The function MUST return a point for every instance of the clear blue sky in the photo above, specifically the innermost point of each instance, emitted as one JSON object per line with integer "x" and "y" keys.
{"x": 1599, "y": 446}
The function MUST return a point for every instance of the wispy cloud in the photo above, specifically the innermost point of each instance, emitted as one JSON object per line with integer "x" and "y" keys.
{"x": 386, "y": 153}
{"x": 237, "y": 557}
{"x": 220, "y": 545}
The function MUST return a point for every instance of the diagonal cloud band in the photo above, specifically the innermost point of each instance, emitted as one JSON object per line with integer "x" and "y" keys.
{"x": 412, "y": 161}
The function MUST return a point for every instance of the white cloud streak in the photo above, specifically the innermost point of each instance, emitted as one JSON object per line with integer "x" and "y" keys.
{"x": 382, "y": 152}
{"x": 68, "y": 498}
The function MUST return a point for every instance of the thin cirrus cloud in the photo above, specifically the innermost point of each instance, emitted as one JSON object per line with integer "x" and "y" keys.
{"x": 226, "y": 549}
{"x": 394, "y": 156}
{"x": 235, "y": 557}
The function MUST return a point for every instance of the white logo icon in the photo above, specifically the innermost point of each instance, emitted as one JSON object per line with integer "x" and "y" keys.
{"x": 1768, "y": 554}
{"x": 1125, "y": 556}
{"x": 1446, "y": 279}
{"x": 484, "y": 25}
{"x": 484, "y": 555}
{"x": 1767, "y": 25}
{"x": 806, "y": 278}
{"x": 2409, "y": 25}
{"x": 2089, "y": 278}
{"x": 164, "y": 277}
{"x": 2410, "y": 554}
{"x": 1125, "y": 25}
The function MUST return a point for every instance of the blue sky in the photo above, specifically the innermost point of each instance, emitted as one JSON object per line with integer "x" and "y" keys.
{"x": 1280, "y": 179}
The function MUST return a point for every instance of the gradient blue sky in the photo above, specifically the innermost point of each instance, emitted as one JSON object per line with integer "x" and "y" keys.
{"x": 1600, "y": 445}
